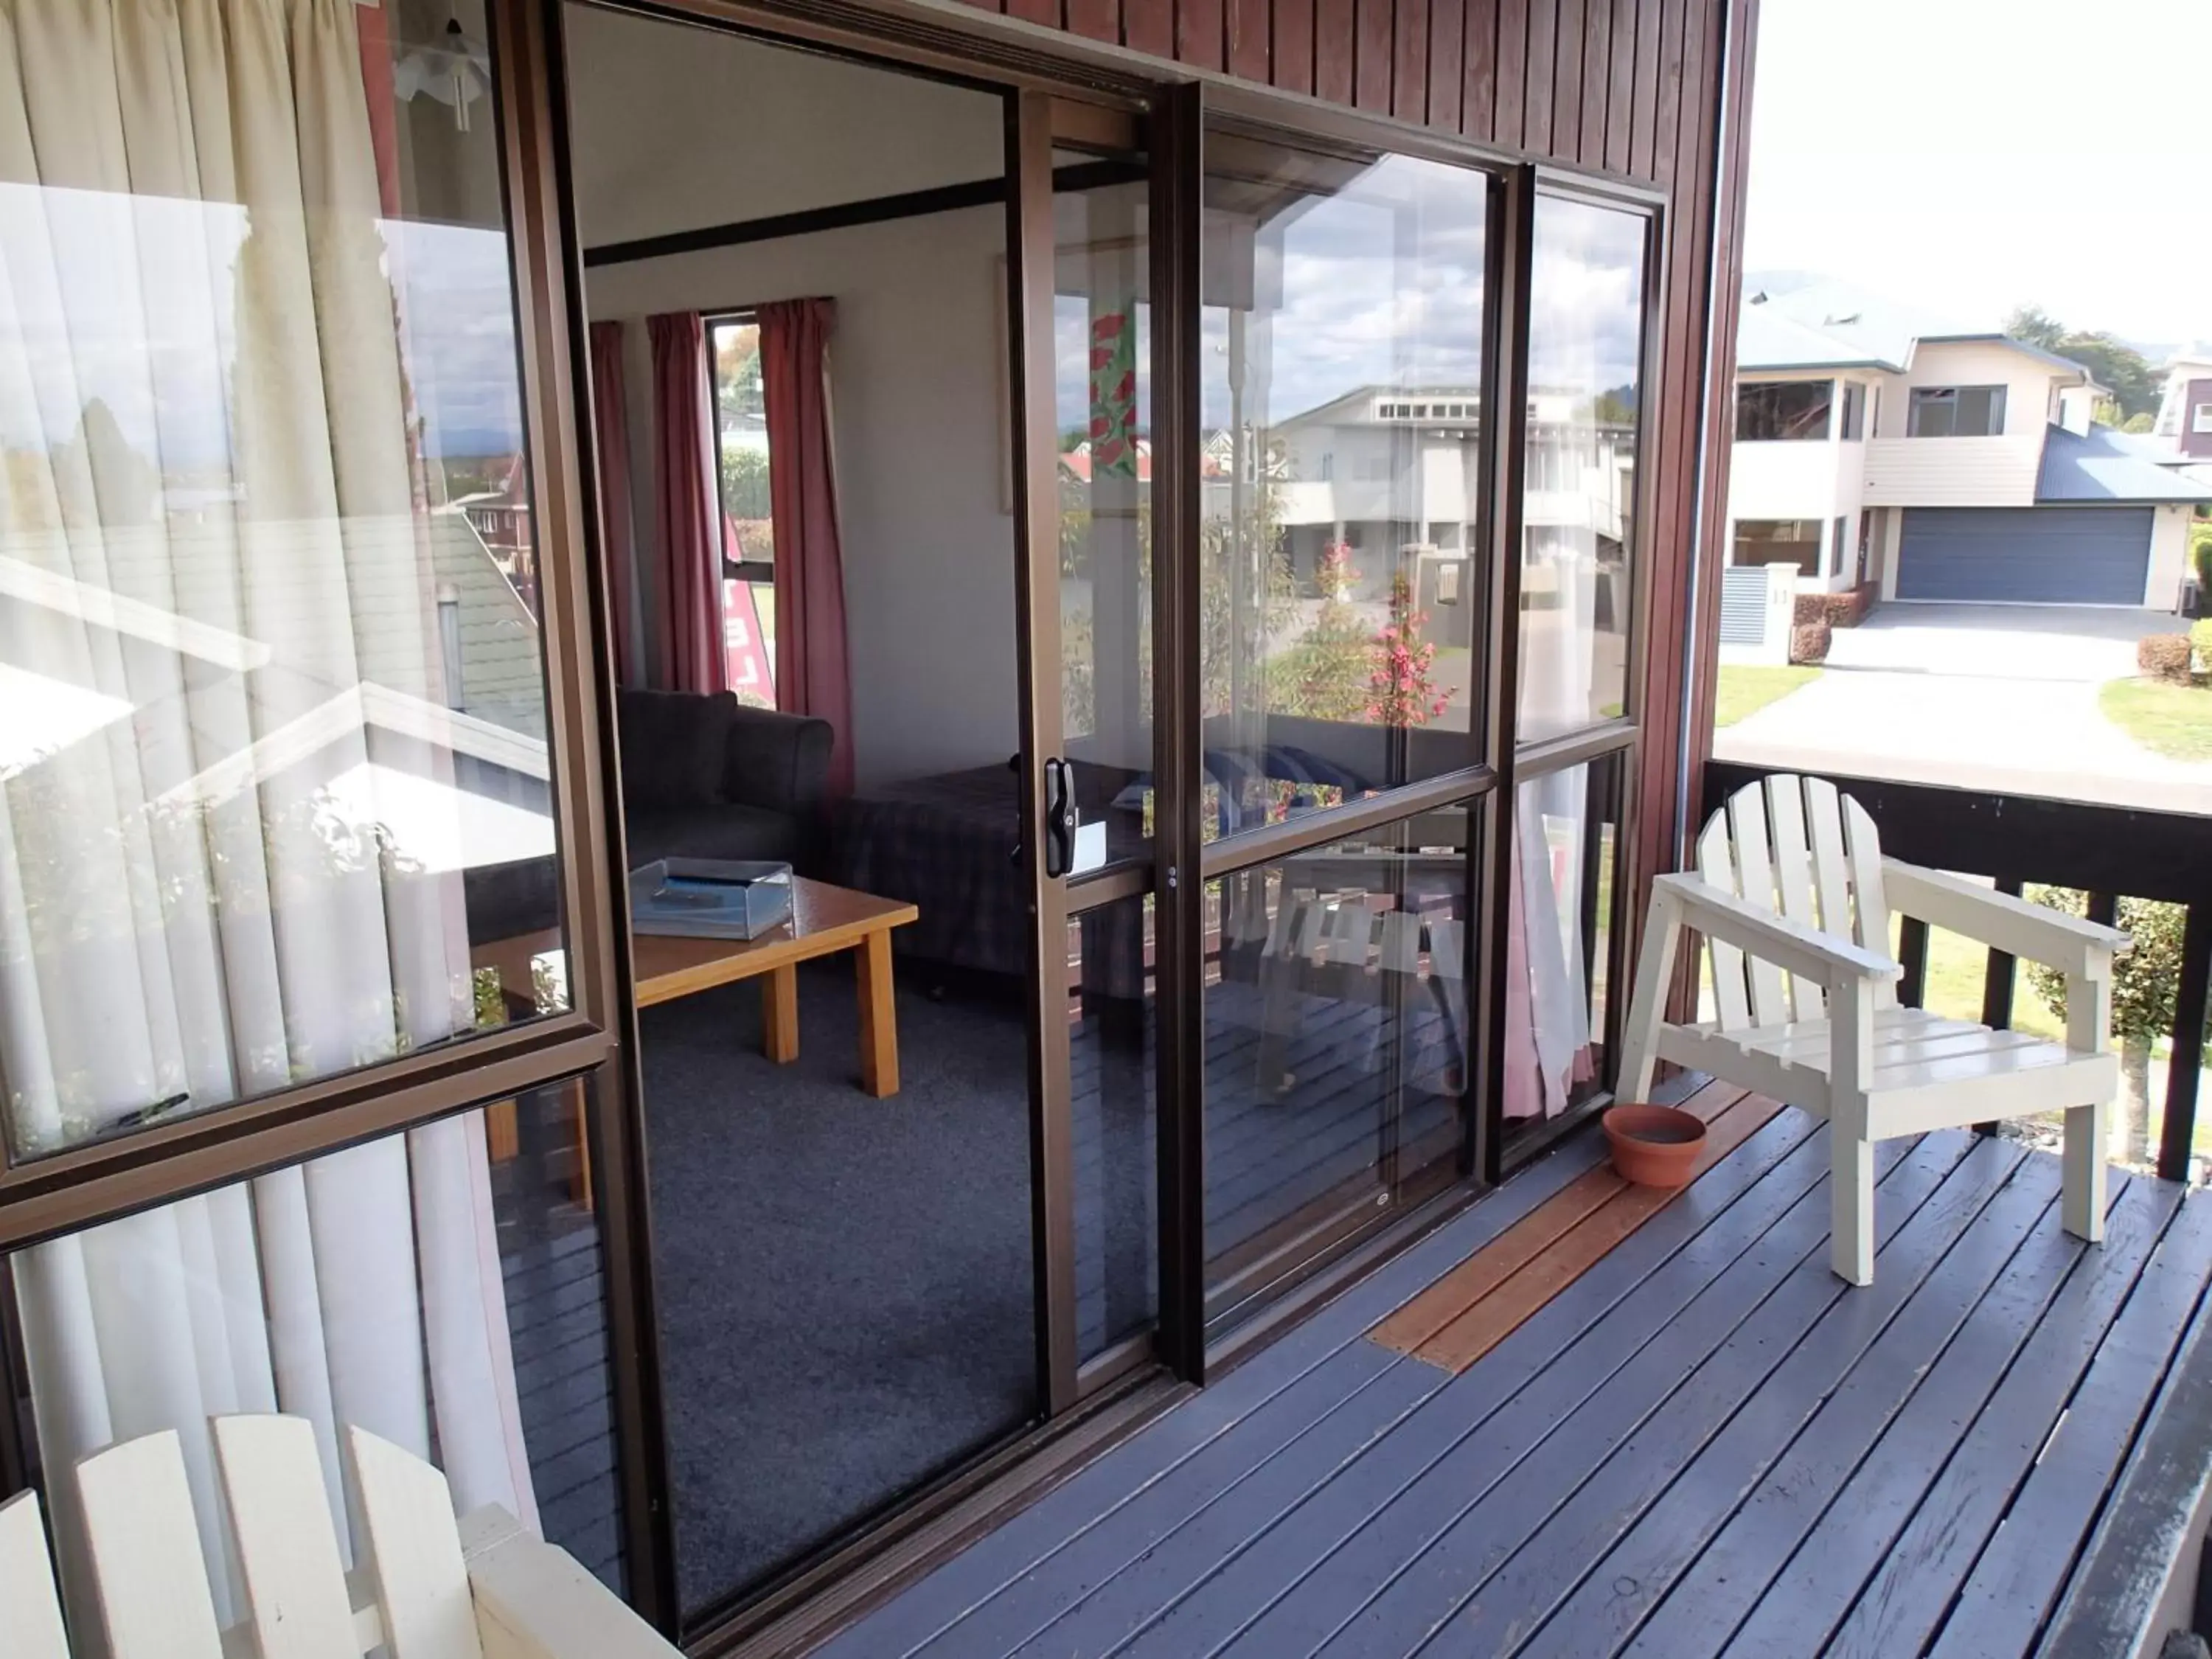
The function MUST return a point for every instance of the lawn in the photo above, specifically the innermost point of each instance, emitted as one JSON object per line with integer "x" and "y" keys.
{"x": 2173, "y": 720}
{"x": 1747, "y": 688}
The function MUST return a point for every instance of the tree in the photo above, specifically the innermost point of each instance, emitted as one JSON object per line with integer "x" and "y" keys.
{"x": 1405, "y": 692}
{"x": 1326, "y": 671}
{"x": 2146, "y": 983}
{"x": 2117, "y": 365}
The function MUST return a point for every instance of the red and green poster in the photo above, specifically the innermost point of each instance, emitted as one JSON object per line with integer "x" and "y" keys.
{"x": 1113, "y": 394}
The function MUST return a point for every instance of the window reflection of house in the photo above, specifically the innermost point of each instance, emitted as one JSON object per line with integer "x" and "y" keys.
{"x": 501, "y": 517}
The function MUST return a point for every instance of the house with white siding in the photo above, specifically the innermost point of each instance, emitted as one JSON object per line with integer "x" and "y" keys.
{"x": 1875, "y": 450}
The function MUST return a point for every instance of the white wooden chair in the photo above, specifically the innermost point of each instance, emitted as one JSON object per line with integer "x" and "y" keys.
{"x": 1793, "y": 898}
{"x": 427, "y": 1587}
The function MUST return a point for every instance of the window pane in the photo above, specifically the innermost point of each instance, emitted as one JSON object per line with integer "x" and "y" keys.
{"x": 1585, "y": 366}
{"x": 1339, "y": 594}
{"x": 1981, "y": 410}
{"x": 1779, "y": 541}
{"x": 1565, "y": 851}
{"x": 1336, "y": 1013}
{"x": 1934, "y": 414}
{"x": 272, "y": 713}
{"x": 748, "y": 520}
{"x": 1110, "y": 1032}
{"x": 1104, "y": 399}
{"x": 1783, "y": 411}
{"x": 442, "y": 1289}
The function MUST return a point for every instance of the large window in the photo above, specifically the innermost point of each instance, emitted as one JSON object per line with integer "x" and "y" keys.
{"x": 1578, "y": 513}
{"x": 1956, "y": 411}
{"x": 748, "y": 517}
{"x": 1342, "y": 373}
{"x": 272, "y": 713}
{"x": 1779, "y": 541}
{"x": 1783, "y": 411}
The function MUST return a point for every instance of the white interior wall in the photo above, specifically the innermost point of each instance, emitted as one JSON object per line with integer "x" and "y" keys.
{"x": 917, "y": 359}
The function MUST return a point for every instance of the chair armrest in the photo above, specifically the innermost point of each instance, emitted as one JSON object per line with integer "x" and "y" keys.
{"x": 1770, "y": 938}
{"x": 2018, "y": 926}
{"x": 776, "y": 761}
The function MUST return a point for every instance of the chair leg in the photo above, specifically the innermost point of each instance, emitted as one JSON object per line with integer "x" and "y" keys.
{"x": 1647, "y": 1007}
{"x": 2082, "y": 1207}
{"x": 1851, "y": 1205}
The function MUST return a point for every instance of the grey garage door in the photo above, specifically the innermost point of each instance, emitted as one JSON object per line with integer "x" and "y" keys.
{"x": 2054, "y": 554}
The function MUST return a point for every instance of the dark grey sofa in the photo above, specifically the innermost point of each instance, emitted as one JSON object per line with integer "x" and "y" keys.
{"x": 710, "y": 777}
{"x": 701, "y": 777}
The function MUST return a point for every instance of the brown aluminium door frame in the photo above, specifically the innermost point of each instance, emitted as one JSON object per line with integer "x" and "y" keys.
{"x": 1032, "y": 268}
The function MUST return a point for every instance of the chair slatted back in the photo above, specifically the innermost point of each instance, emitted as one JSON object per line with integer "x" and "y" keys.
{"x": 1801, "y": 849}
{"x": 30, "y": 1609}
{"x": 150, "y": 1570}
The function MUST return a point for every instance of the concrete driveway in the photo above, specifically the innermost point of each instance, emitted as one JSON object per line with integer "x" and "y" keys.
{"x": 1997, "y": 697}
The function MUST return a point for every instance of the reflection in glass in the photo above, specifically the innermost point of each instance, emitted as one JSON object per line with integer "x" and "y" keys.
{"x": 441, "y": 1288}
{"x": 748, "y": 519}
{"x": 1110, "y": 1032}
{"x": 1102, "y": 347}
{"x": 1559, "y": 941}
{"x": 271, "y": 703}
{"x": 1339, "y": 546}
{"x": 1578, "y": 508}
{"x": 1336, "y": 1036}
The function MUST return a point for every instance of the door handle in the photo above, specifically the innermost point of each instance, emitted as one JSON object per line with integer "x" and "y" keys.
{"x": 1061, "y": 818}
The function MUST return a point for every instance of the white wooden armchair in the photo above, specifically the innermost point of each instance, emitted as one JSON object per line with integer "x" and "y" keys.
{"x": 427, "y": 1588}
{"x": 1793, "y": 898}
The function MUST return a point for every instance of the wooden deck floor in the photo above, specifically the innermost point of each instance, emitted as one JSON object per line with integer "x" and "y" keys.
{"x": 1698, "y": 1442}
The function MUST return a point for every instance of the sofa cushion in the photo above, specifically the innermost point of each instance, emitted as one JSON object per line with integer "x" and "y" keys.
{"x": 674, "y": 747}
{"x": 711, "y": 832}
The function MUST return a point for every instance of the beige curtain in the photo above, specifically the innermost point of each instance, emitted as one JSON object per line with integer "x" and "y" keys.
{"x": 208, "y": 550}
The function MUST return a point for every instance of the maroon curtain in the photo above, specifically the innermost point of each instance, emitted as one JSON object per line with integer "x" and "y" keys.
{"x": 610, "y": 434}
{"x": 685, "y": 514}
{"x": 811, "y": 676}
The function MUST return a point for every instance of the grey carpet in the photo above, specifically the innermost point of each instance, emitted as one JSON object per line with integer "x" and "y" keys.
{"x": 845, "y": 1284}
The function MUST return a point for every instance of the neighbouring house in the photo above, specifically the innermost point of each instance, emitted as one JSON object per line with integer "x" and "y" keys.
{"x": 1872, "y": 449}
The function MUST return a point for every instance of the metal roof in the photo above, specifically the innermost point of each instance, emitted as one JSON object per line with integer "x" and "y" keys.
{"x": 2096, "y": 467}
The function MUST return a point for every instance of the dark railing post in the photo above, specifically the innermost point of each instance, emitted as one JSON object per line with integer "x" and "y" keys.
{"x": 2177, "y": 1136}
{"x": 1998, "y": 985}
{"x": 1912, "y": 957}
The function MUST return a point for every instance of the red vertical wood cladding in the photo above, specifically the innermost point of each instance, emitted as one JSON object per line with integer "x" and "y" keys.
{"x": 1667, "y": 117}
{"x": 1096, "y": 19}
{"x": 1198, "y": 33}
{"x": 1245, "y": 22}
{"x": 1510, "y": 73}
{"x": 1292, "y": 60}
{"x": 1567, "y": 81}
{"x": 1478, "y": 69}
{"x": 1046, "y": 12}
{"x": 1409, "y": 65}
{"x": 1333, "y": 50}
{"x": 1649, "y": 16}
{"x": 1149, "y": 26}
{"x": 1597, "y": 74}
{"x": 1371, "y": 56}
{"x": 1447, "y": 25}
{"x": 1620, "y": 95}
{"x": 1536, "y": 81}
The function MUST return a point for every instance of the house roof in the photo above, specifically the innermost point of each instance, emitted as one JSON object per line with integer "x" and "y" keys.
{"x": 1793, "y": 321}
{"x": 2099, "y": 466}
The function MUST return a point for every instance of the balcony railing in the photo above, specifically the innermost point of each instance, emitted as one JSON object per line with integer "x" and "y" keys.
{"x": 2106, "y": 851}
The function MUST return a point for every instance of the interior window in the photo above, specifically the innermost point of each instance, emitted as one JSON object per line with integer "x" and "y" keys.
{"x": 748, "y": 522}
{"x": 1769, "y": 411}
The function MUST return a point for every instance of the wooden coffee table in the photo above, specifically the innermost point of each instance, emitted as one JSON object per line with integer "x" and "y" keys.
{"x": 825, "y": 920}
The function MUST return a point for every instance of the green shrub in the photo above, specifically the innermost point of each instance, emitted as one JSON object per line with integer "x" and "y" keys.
{"x": 2164, "y": 657}
{"x": 2200, "y": 552}
{"x": 2199, "y": 643}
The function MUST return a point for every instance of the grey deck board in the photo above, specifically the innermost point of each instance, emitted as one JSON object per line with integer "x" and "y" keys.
{"x": 1702, "y": 1608}
{"x": 1899, "y": 1608}
{"x": 1702, "y": 1443}
{"x": 940, "y": 1598}
{"x": 1499, "y": 1431}
{"x": 2012, "y": 1588}
{"x": 1772, "y": 1297}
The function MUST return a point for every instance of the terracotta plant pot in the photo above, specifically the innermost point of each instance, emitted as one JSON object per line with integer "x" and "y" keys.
{"x": 1655, "y": 1145}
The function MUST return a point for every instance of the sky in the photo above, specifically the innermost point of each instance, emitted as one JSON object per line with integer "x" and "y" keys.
{"x": 1972, "y": 156}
